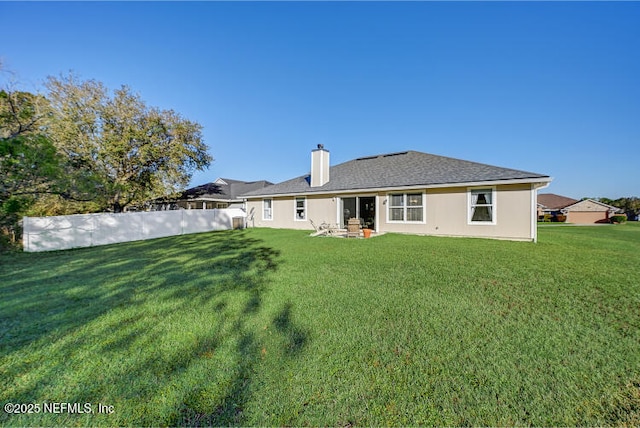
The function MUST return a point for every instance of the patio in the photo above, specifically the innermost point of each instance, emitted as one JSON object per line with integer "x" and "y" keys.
{"x": 353, "y": 230}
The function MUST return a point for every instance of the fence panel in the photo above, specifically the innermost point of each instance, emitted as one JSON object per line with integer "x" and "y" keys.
{"x": 164, "y": 223}
{"x": 111, "y": 228}
{"x": 86, "y": 230}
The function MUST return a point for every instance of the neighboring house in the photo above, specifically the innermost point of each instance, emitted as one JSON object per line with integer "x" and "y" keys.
{"x": 586, "y": 211}
{"x": 405, "y": 192}
{"x": 551, "y": 204}
{"x": 589, "y": 211}
{"x": 222, "y": 193}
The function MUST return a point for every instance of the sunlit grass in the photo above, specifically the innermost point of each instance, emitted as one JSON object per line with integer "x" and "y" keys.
{"x": 271, "y": 327}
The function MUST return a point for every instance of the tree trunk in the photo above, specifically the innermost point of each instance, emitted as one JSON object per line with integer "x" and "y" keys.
{"x": 117, "y": 207}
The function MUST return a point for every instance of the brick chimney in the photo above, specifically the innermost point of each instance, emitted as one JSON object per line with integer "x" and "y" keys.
{"x": 319, "y": 166}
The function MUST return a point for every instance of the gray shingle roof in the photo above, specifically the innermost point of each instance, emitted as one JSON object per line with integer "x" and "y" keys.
{"x": 400, "y": 169}
{"x": 228, "y": 192}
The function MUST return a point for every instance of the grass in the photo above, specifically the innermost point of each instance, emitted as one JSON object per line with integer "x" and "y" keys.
{"x": 271, "y": 327}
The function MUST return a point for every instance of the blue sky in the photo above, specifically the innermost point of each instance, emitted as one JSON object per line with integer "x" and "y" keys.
{"x": 546, "y": 87}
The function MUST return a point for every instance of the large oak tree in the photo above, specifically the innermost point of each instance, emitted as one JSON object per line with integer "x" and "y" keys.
{"x": 29, "y": 163}
{"x": 136, "y": 152}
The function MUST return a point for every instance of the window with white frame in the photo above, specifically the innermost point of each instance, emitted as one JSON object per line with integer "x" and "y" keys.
{"x": 267, "y": 209}
{"x": 482, "y": 206}
{"x": 301, "y": 209}
{"x": 406, "y": 207}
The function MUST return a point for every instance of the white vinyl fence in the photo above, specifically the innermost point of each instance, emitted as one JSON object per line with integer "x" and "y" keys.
{"x": 87, "y": 230}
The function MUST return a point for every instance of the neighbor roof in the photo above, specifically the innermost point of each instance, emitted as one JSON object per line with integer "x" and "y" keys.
{"x": 555, "y": 202}
{"x": 224, "y": 189}
{"x": 402, "y": 169}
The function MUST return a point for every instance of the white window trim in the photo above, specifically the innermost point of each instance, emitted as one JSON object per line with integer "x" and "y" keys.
{"x": 295, "y": 208}
{"x": 270, "y": 210}
{"x": 404, "y": 206}
{"x": 494, "y": 206}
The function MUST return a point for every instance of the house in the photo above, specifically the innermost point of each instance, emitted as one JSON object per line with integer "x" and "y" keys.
{"x": 586, "y": 211}
{"x": 222, "y": 193}
{"x": 589, "y": 211}
{"x": 551, "y": 205}
{"x": 404, "y": 192}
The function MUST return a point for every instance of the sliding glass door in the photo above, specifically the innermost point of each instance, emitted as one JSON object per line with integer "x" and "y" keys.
{"x": 349, "y": 210}
{"x": 360, "y": 207}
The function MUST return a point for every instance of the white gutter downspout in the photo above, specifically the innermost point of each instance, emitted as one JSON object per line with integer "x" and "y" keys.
{"x": 534, "y": 209}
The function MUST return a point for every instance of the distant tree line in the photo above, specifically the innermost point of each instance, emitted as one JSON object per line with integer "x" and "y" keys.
{"x": 82, "y": 148}
{"x": 630, "y": 205}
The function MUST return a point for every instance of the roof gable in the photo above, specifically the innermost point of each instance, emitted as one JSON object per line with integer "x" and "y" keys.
{"x": 591, "y": 205}
{"x": 400, "y": 169}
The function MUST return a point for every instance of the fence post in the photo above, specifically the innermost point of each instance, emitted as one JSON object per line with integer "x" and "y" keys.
{"x": 93, "y": 226}
{"x": 25, "y": 233}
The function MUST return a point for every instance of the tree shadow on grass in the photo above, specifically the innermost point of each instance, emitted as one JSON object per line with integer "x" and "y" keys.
{"x": 157, "y": 328}
{"x": 295, "y": 337}
{"x": 230, "y": 411}
{"x": 58, "y": 292}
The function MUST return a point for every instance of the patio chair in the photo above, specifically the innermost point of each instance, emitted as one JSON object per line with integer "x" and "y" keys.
{"x": 319, "y": 230}
{"x": 332, "y": 230}
{"x": 323, "y": 229}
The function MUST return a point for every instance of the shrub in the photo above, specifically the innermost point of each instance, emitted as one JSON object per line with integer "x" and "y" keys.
{"x": 619, "y": 218}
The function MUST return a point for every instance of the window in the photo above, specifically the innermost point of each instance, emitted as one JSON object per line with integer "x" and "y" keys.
{"x": 222, "y": 205}
{"x": 414, "y": 207}
{"x": 482, "y": 206}
{"x": 267, "y": 213}
{"x": 396, "y": 207}
{"x": 301, "y": 209}
{"x": 406, "y": 207}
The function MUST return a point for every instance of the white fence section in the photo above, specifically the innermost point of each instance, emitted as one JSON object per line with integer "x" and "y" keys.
{"x": 87, "y": 230}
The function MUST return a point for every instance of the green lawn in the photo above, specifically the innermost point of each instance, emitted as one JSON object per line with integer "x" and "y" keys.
{"x": 272, "y": 327}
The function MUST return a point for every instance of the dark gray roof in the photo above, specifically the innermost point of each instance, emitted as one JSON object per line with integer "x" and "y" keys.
{"x": 400, "y": 169}
{"x": 223, "y": 189}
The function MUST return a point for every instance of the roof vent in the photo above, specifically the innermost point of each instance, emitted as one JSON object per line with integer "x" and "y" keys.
{"x": 395, "y": 154}
{"x": 367, "y": 158}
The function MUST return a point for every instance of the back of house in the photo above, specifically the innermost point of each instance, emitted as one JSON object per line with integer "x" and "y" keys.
{"x": 404, "y": 192}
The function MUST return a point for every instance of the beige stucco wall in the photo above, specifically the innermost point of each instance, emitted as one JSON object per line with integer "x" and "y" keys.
{"x": 320, "y": 209}
{"x": 446, "y": 213}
